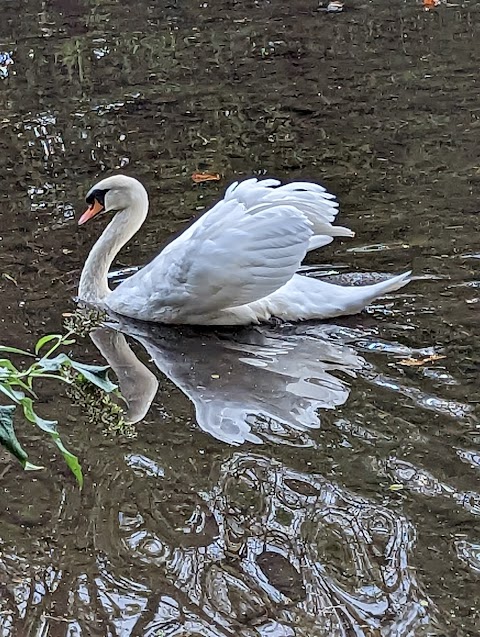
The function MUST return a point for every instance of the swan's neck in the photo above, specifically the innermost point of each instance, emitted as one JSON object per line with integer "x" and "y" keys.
{"x": 93, "y": 285}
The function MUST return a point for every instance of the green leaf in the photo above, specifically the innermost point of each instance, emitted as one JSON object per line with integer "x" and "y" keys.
{"x": 53, "y": 364}
{"x": 7, "y": 434}
{"x": 71, "y": 460}
{"x": 50, "y": 426}
{"x": 28, "y": 466}
{"x": 9, "y": 375}
{"x": 7, "y": 364}
{"x": 14, "y": 395}
{"x": 96, "y": 374}
{"x": 17, "y": 382}
{"x": 45, "y": 425}
{"x": 47, "y": 339}
{"x": 14, "y": 350}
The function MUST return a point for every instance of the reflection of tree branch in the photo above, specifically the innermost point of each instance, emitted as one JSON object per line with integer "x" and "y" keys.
{"x": 187, "y": 606}
{"x": 147, "y": 615}
{"x": 8, "y": 598}
{"x": 232, "y": 597}
{"x": 95, "y": 614}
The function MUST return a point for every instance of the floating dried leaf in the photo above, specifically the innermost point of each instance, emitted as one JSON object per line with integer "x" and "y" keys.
{"x": 198, "y": 178}
{"x": 416, "y": 362}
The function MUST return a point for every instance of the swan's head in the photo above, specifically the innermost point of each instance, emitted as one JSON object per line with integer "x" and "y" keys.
{"x": 113, "y": 194}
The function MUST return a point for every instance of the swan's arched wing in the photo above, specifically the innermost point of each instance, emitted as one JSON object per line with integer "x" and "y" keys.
{"x": 254, "y": 196}
{"x": 246, "y": 247}
{"x": 232, "y": 260}
{"x": 247, "y": 257}
{"x": 318, "y": 205}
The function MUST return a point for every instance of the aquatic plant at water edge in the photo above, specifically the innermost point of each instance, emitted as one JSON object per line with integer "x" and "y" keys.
{"x": 18, "y": 386}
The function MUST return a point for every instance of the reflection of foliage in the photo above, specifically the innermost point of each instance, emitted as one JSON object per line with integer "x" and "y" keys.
{"x": 99, "y": 407}
{"x": 263, "y": 550}
{"x": 17, "y": 385}
{"x": 84, "y": 320}
{"x": 73, "y": 54}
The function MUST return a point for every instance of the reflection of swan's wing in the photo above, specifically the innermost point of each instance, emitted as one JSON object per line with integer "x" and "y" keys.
{"x": 138, "y": 384}
{"x": 246, "y": 384}
{"x": 255, "y": 383}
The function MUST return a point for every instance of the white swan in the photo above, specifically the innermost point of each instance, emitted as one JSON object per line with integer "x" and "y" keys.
{"x": 235, "y": 265}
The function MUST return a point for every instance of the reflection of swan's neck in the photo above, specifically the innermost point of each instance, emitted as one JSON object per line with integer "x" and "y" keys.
{"x": 94, "y": 278}
{"x": 138, "y": 384}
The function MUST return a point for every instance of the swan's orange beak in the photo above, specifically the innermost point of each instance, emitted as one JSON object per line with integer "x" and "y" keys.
{"x": 90, "y": 212}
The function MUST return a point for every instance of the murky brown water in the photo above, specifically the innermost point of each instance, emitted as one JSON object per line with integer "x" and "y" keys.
{"x": 294, "y": 531}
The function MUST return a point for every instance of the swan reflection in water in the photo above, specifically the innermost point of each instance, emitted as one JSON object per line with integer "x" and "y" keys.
{"x": 248, "y": 385}
{"x": 262, "y": 383}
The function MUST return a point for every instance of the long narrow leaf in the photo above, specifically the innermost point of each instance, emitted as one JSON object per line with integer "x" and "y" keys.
{"x": 7, "y": 434}
{"x": 47, "y": 339}
{"x": 50, "y": 426}
{"x": 14, "y": 395}
{"x": 6, "y": 363}
{"x": 14, "y": 350}
{"x": 18, "y": 382}
{"x": 9, "y": 439}
{"x": 53, "y": 364}
{"x": 71, "y": 460}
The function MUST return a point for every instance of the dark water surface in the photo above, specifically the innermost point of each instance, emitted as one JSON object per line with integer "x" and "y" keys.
{"x": 295, "y": 529}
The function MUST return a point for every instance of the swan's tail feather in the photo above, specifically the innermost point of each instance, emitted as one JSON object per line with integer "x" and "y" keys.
{"x": 318, "y": 241}
{"x": 392, "y": 284}
{"x": 350, "y": 300}
{"x": 306, "y": 298}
